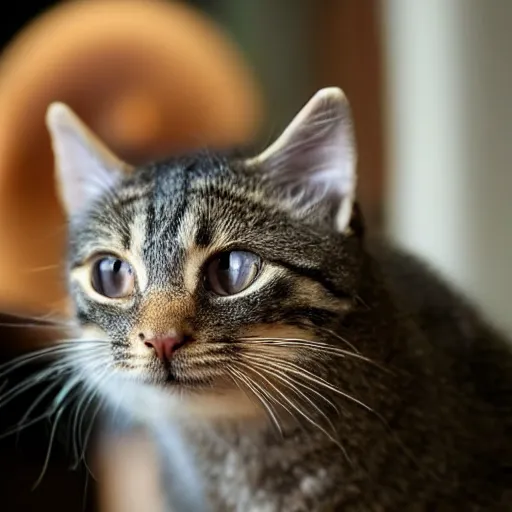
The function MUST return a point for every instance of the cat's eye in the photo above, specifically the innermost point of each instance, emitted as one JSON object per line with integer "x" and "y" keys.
{"x": 113, "y": 277}
{"x": 231, "y": 272}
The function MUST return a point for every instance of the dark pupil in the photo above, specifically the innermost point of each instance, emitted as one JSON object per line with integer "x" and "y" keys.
{"x": 117, "y": 266}
{"x": 227, "y": 279}
{"x": 224, "y": 261}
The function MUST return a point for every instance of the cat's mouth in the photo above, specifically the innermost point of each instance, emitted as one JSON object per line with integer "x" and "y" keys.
{"x": 185, "y": 364}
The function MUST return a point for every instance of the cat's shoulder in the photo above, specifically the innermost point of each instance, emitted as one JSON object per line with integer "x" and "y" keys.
{"x": 416, "y": 284}
{"x": 438, "y": 306}
{"x": 451, "y": 322}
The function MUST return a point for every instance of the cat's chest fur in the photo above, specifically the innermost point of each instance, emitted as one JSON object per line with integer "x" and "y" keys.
{"x": 254, "y": 471}
{"x": 243, "y": 470}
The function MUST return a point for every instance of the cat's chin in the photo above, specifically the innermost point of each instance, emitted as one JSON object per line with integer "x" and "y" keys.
{"x": 148, "y": 402}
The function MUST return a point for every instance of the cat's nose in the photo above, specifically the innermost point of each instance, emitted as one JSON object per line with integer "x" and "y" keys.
{"x": 165, "y": 346}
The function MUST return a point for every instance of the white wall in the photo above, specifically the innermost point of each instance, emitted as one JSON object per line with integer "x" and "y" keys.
{"x": 449, "y": 128}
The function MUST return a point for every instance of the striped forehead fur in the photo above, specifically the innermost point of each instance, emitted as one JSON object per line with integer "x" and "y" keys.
{"x": 164, "y": 211}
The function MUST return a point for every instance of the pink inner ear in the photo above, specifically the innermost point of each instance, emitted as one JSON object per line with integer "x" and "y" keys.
{"x": 83, "y": 183}
{"x": 82, "y": 169}
{"x": 315, "y": 157}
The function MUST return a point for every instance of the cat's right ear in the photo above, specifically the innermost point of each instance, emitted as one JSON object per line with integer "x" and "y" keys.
{"x": 85, "y": 167}
{"x": 313, "y": 162}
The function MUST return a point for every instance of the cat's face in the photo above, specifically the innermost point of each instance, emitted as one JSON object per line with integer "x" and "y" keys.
{"x": 199, "y": 274}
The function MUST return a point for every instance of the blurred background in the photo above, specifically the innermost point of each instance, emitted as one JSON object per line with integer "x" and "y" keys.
{"x": 428, "y": 81}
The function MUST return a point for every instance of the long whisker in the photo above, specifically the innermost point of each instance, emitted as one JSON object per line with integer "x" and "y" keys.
{"x": 271, "y": 362}
{"x": 291, "y": 384}
{"x": 42, "y": 320}
{"x": 84, "y": 441}
{"x": 50, "y": 446}
{"x": 78, "y": 391}
{"x": 88, "y": 435}
{"x": 90, "y": 428}
{"x": 339, "y": 337}
{"x": 25, "y": 358}
{"x": 53, "y": 371}
{"x": 313, "y": 345}
{"x": 336, "y": 335}
{"x": 25, "y": 385}
{"x": 297, "y": 409}
{"x": 298, "y": 340}
{"x": 63, "y": 347}
{"x": 284, "y": 375}
{"x": 302, "y": 372}
{"x": 17, "y": 429}
{"x": 80, "y": 411}
{"x": 29, "y": 325}
{"x": 34, "y": 405}
{"x": 259, "y": 394}
{"x": 77, "y": 416}
{"x": 272, "y": 398}
{"x": 57, "y": 402}
{"x": 23, "y": 424}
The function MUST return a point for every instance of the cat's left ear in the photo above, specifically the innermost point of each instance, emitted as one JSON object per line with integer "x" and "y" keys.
{"x": 85, "y": 168}
{"x": 313, "y": 162}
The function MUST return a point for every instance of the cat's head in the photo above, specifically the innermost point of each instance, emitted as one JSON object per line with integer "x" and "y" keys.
{"x": 207, "y": 277}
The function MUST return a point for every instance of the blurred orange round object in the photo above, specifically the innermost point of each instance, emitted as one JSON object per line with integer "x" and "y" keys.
{"x": 150, "y": 77}
{"x": 133, "y": 121}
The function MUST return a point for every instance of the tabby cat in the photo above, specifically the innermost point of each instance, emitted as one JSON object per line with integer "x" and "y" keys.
{"x": 307, "y": 367}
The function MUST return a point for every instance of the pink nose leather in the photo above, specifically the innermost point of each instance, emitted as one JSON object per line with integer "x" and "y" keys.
{"x": 165, "y": 346}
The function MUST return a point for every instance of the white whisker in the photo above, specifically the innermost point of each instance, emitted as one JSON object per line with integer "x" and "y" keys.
{"x": 260, "y": 394}
{"x": 302, "y": 372}
{"x": 298, "y": 409}
{"x": 34, "y": 405}
{"x": 312, "y": 345}
{"x": 284, "y": 375}
{"x": 50, "y": 446}
{"x": 65, "y": 347}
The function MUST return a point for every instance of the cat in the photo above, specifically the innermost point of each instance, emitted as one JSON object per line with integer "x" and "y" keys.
{"x": 307, "y": 365}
